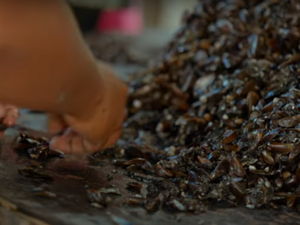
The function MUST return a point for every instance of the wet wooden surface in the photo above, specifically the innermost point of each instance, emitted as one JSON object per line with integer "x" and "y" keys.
{"x": 72, "y": 176}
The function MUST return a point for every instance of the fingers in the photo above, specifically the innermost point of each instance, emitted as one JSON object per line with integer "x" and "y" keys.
{"x": 62, "y": 142}
{"x": 113, "y": 139}
{"x": 56, "y": 124}
{"x": 11, "y": 115}
{"x": 72, "y": 143}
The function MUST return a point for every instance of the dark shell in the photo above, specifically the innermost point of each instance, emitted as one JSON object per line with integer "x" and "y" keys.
{"x": 35, "y": 172}
{"x": 134, "y": 187}
{"x": 289, "y": 121}
{"x": 283, "y": 148}
{"x": 221, "y": 169}
{"x": 162, "y": 172}
{"x": 236, "y": 166}
{"x": 35, "y": 148}
{"x": 176, "y": 205}
{"x": 229, "y": 136}
{"x": 152, "y": 205}
{"x": 267, "y": 156}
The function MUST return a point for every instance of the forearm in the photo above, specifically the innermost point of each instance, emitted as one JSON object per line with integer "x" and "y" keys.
{"x": 44, "y": 63}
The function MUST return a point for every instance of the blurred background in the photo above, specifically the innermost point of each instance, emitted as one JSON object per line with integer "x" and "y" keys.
{"x": 130, "y": 34}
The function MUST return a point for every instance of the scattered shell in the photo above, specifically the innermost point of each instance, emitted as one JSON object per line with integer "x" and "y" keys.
{"x": 282, "y": 148}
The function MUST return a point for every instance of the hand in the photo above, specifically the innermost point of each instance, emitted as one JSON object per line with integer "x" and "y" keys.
{"x": 8, "y": 115}
{"x": 100, "y": 128}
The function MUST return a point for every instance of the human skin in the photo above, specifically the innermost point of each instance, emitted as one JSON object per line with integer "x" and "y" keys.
{"x": 45, "y": 65}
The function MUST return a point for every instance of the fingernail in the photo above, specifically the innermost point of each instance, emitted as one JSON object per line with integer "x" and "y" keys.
{"x": 53, "y": 142}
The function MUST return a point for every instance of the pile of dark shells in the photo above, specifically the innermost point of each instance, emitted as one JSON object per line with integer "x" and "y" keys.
{"x": 35, "y": 148}
{"x": 218, "y": 119}
{"x": 224, "y": 106}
